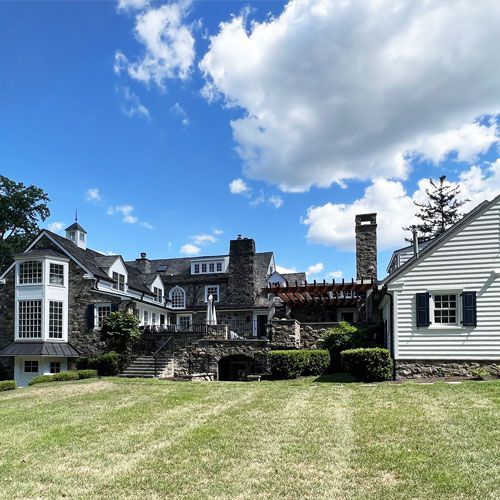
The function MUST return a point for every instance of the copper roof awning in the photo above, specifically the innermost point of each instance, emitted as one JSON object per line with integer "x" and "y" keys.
{"x": 54, "y": 349}
{"x": 324, "y": 294}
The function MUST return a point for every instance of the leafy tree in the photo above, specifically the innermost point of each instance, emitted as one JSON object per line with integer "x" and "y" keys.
{"x": 440, "y": 211}
{"x": 120, "y": 331}
{"x": 21, "y": 209}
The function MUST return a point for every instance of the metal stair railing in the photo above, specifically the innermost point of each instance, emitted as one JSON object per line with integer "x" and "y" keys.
{"x": 156, "y": 354}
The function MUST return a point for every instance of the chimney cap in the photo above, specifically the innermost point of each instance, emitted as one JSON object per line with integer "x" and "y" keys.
{"x": 239, "y": 237}
{"x": 143, "y": 255}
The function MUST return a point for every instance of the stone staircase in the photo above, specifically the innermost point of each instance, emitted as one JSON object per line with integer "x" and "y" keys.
{"x": 144, "y": 367}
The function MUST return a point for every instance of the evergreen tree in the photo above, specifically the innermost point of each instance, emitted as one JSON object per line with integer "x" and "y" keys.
{"x": 440, "y": 211}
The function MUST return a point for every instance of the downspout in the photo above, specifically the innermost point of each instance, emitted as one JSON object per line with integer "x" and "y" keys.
{"x": 391, "y": 337}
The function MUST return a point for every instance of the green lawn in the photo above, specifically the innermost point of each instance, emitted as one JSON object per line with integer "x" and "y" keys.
{"x": 115, "y": 438}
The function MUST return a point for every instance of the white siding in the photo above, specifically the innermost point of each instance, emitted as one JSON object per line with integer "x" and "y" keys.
{"x": 465, "y": 262}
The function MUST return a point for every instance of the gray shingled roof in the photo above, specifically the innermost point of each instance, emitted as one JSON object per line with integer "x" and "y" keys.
{"x": 76, "y": 227}
{"x": 42, "y": 253}
{"x": 40, "y": 349}
{"x": 291, "y": 278}
{"x": 106, "y": 261}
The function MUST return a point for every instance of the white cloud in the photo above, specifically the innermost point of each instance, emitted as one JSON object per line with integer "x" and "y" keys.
{"x": 190, "y": 249}
{"x": 286, "y": 270}
{"x": 56, "y": 227}
{"x": 131, "y": 104}
{"x": 93, "y": 194}
{"x": 146, "y": 225}
{"x": 123, "y": 209}
{"x": 168, "y": 46}
{"x": 276, "y": 201}
{"x": 181, "y": 112}
{"x": 127, "y": 216}
{"x": 333, "y": 223}
{"x": 218, "y": 232}
{"x": 335, "y": 275}
{"x": 107, "y": 253}
{"x": 331, "y": 91}
{"x": 203, "y": 239}
{"x": 130, "y": 219}
{"x": 239, "y": 186}
{"x": 315, "y": 269}
{"x": 132, "y": 4}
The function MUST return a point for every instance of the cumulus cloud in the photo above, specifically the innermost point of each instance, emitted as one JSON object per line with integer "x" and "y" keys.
{"x": 218, "y": 231}
{"x": 131, "y": 104}
{"x": 126, "y": 211}
{"x": 315, "y": 269}
{"x": 286, "y": 270}
{"x": 190, "y": 249}
{"x": 203, "y": 239}
{"x": 93, "y": 194}
{"x": 335, "y": 275}
{"x": 124, "y": 5}
{"x": 276, "y": 201}
{"x": 333, "y": 223}
{"x": 181, "y": 112}
{"x": 239, "y": 186}
{"x": 56, "y": 227}
{"x": 331, "y": 91}
{"x": 168, "y": 46}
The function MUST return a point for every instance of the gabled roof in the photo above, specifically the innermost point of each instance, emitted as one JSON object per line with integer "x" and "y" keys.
{"x": 291, "y": 278}
{"x": 407, "y": 250}
{"x": 442, "y": 238}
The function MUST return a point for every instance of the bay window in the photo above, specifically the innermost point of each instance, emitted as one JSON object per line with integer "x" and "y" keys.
{"x": 30, "y": 319}
{"x": 55, "y": 319}
{"x": 56, "y": 274}
{"x": 30, "y": 272}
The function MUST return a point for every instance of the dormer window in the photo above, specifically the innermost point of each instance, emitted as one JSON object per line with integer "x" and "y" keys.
{"x": 219, "y": 267}
{"x": 30, "y": 272}
{"x": 118, "y": 282}
{"x": 209, "y": 266}
{"x": 203, "y": 268}
{"x": 196, "y": 268}
{"x": 158, "y": 294}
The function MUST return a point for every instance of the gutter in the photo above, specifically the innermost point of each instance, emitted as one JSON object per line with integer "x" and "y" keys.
{"x": 391, "y": 338}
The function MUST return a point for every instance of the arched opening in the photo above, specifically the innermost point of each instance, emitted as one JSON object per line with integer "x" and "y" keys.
{"x": 236, "y": 367}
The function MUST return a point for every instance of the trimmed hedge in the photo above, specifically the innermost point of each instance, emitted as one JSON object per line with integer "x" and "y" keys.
{"x": 336, "y": 340}
{"x": 63, "y": 376}
{"x": 107, "y": 364}
{"x": 291, "y": 364}
{"x": 7, "y": 385}
{"x": 369, "y": 365}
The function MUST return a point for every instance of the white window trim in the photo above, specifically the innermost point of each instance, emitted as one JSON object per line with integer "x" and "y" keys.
{"x": 223, "y": 261}
{"x": 207, "y": 294}
{"x": 179, "y": 316}
{"x": 444, "y": 326}
{"x": 96, "y": 313}
{"x": 170, "y": 294}
{"x": 18, "y": 273}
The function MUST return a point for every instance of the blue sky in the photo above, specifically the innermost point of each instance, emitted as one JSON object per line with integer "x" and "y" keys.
{"x": 172, "y": 133}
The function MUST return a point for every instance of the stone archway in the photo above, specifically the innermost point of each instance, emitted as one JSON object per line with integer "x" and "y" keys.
{"x": 236, "y": 367}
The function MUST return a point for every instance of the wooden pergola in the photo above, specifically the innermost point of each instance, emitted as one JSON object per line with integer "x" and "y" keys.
{"x": 340, "y": 294}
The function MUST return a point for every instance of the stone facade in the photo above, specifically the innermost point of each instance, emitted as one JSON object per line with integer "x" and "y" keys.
{"x": 366, "y": 246}
{"x": 242, "y": 280}
{"x": 418, "y": 369}
{"x": 311, "y": 333}
{"x": 7, "y": 310}
{"x": 204, "y": 355}
{"x": 285, "y": 334}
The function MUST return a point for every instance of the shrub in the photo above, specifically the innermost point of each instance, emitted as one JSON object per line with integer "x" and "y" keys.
{"x": 107, "y": 364}
{"x": 120, "y": 331}
{"x": 7, "y": 385}
{"x": 369, "y": 365}
{"x": 57, "y": 377}
{"x": 291, "y": 364}
{"x": 336, "y": 340}
{"x": 87, "y": 374}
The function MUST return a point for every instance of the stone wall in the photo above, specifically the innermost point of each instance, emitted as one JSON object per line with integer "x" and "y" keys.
{"x": 242, "y": 280}
{"x": 311, "y": 333}
{"x": 204, "y": 355}
{"x": 7, "y": 311}
{"x": 366, "y": 246}
{"x": 418, "y": 369}
{"x": 285, "y": 334}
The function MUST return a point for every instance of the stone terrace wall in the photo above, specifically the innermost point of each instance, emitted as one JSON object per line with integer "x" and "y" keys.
{"x": 285, "y": 334}
{"x": 440, "y": 368}
{"x": 311, "y": 333}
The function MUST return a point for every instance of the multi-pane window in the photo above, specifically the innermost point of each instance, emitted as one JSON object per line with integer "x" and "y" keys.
{"x": 119, "y": 282}
{"x": 56, "y": 274}
{"x": 211, "y": 267}
{"x": 103, "y": 311}
{"x": 158, "y": 294}
{"x": 153, "y": 318}
{"x": 184, "y": 322}
{"x": 146, "y": 317}
{"x": 31, "y": 366}
{"x": 207, "y": 267}
{"x": 178, "y": 298}
{"x": 55, "y": 367}
{"x": 82, "y": 237}
{"x": 219, "y": 267}
{"x": 203, "y": 268}
{"x": 197, "y": 268}
{"x": 212, "y": 290}
{"x": 445, "y": 309}
{"x": 30, "y": 319}
{"x": 30, "y": 272}
{"x": 55, "y": 319}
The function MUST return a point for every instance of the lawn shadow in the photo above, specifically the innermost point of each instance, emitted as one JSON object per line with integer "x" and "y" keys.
{"x": 336, "y": 378}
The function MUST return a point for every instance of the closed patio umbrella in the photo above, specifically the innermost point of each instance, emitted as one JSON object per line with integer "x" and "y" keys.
{"x": 211, "y": 314}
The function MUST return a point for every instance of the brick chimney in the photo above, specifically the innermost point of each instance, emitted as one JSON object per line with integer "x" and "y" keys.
{"x": 242, "y": 284}
{"x": 143, "y": 264}
{"x": 366, "y": 246}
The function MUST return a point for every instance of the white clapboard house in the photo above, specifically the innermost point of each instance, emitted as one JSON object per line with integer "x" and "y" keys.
{"x": 441, "y": 307}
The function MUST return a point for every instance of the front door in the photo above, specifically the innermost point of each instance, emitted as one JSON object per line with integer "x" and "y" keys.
{"x": 261, "y": 325}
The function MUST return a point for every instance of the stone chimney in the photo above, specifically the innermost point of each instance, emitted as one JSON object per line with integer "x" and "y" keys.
{"x": 366, "y": 246}
{"x": 143, "y": 264}
{"x": 242, "y": 283}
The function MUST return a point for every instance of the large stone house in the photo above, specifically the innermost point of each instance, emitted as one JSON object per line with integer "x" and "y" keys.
{"x": 441, "y": 308}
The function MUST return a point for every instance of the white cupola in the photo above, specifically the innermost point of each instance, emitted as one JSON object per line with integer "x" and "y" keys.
{"x": 77, "y": 235}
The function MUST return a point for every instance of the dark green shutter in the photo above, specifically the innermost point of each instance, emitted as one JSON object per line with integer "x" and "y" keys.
{"x": 469, "y": 309}
{"x": 114, "y": 308}
{"x": 422, "y": 309}
{"x": 90, "y": 316}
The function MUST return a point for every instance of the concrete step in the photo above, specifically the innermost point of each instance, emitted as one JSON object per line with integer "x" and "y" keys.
{"x": 144, "y": 367}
